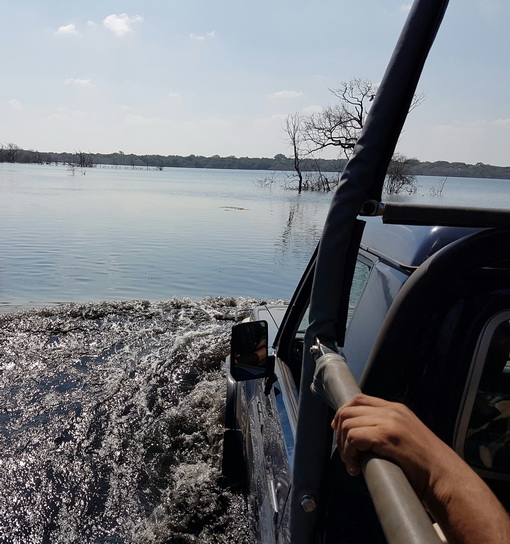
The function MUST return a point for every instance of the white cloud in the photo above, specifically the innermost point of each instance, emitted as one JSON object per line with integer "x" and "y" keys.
{"x": 465, "y": 141}
{"x": 15, "y": 104}
{"x": 79, "y": 82}
{"x": 287, "y": 94}
{"x": 67, "y": 30}
{"x": 405, "y": 8}
{"x": 121, "y": 24}
{"x": 502, "y": 122}
{"x": 205, "y": 36}
{"x": 474, "y": 126}
{"x": 137, "y": 119}
{"x": 66, "y": 116}
{"x": 173, "y": 95}
{"x": 468, "y": 128}
{"x": 191, "y": 127}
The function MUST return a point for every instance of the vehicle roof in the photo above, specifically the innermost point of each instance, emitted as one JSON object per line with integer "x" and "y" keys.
{"x": 408, "y": 245}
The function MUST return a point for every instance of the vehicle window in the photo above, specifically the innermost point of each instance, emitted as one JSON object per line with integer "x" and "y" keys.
{"x": 305, "y": 321}
{"x": 487, "y": 443}
{"x": 361, "y": 272}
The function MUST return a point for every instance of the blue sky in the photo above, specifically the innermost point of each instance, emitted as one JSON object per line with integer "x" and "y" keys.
{"x": 218, "y": 77}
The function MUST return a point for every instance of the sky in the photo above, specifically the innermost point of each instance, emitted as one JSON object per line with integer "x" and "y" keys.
{"x": 219, "y": 77}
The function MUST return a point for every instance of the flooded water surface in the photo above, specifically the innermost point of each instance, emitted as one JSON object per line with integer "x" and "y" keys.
{"x": 111, "y": 424}
{"x": 123, "y": 234}
{"x": 118, "y": 290}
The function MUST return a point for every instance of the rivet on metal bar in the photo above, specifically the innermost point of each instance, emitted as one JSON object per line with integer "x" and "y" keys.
{"x": 308, "y": 503}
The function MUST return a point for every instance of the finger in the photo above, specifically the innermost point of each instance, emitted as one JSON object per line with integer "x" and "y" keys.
{"x": 358, "y": 401}
{"x": 357, "y": 415}
{"x": 348, "y": 431}
{"x": 367, "y": 400}
{"x": 348, "y": 451}
{"x": 356, "y": 442}
{"x": 360, "y": 415}
{"x": 364, "y": 400}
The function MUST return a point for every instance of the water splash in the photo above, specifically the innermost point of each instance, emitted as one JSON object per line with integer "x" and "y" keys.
{"x": 111, "y": 424}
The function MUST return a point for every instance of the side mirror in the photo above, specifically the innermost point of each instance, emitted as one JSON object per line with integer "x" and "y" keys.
{"x": 249, "y": 352}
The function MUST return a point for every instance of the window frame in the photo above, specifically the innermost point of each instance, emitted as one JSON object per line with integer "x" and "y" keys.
{"x": 289, "y": 395}
{"x": 471, "y": 389}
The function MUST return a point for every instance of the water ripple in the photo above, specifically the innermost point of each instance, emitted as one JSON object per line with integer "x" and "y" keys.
{"x": 111, "y": 424}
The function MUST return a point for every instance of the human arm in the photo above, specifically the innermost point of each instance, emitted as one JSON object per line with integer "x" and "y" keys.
{"x": 461, "y": 503}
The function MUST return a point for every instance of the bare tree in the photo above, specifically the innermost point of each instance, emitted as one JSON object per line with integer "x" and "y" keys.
{"x": 294, "y": 128}
{"x": 83, "y": 160}
{"x": 340, "y": 125}
{"x": 79, "y": 160}
{"x": 399, "y": 177}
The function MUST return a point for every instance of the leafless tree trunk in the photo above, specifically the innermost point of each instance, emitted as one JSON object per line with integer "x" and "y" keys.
{"x": 294, "y": 129}
{"x": 339, "y": 126}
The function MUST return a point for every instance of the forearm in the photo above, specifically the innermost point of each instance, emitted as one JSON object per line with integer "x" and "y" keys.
{"x": 464, "y": 507}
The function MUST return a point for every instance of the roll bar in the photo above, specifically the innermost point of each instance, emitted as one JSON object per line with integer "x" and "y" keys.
{"x": 361, "y": 181}
{"x": 452, "y": 216}
{"x": 401, "y": 514}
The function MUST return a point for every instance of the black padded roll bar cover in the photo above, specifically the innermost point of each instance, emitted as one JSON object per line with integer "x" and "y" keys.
{"x": 455, "y": 216}
{"x": 362, "y": 180}
{"x": 363, "y": 177}
{"x": 402, "y": 515}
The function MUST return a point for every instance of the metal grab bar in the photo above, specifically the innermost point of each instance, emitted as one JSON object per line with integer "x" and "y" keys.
{"x": 401, "y": 514}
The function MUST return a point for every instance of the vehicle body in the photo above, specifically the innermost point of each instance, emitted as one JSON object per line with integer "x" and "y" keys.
{"x": 426, "y": 346}
{"x": 416, "y": 300}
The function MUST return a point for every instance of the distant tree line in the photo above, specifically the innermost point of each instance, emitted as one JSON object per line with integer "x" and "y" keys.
{"x": 11, "y": 153}
{"x": 460, "y": 169}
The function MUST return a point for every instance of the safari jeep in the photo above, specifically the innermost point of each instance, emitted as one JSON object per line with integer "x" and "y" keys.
{"x": 411, "y": 304}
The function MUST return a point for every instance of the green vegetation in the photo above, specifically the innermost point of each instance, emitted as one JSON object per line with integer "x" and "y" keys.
{"x": 11, "y": 153}
{"x": 460, "y": 169}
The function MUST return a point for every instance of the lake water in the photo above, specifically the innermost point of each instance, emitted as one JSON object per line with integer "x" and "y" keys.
{"x": 121, "y": 234}
{"x": 111, "y": 413}
{"x": 111, "y": 424}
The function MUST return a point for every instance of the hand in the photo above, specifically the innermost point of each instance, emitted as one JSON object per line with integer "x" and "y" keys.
{"x": 465, "y": 508}
{"x": 389, "y": 430}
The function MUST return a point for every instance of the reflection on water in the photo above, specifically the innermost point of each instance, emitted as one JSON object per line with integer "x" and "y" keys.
{"x": 121, "y": 234}
{"x": 111, "y": 424}
{"x": 298, "y": 231}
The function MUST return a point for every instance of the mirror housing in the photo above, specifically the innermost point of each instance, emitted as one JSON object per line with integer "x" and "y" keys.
{"x": 249, "y": 358}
